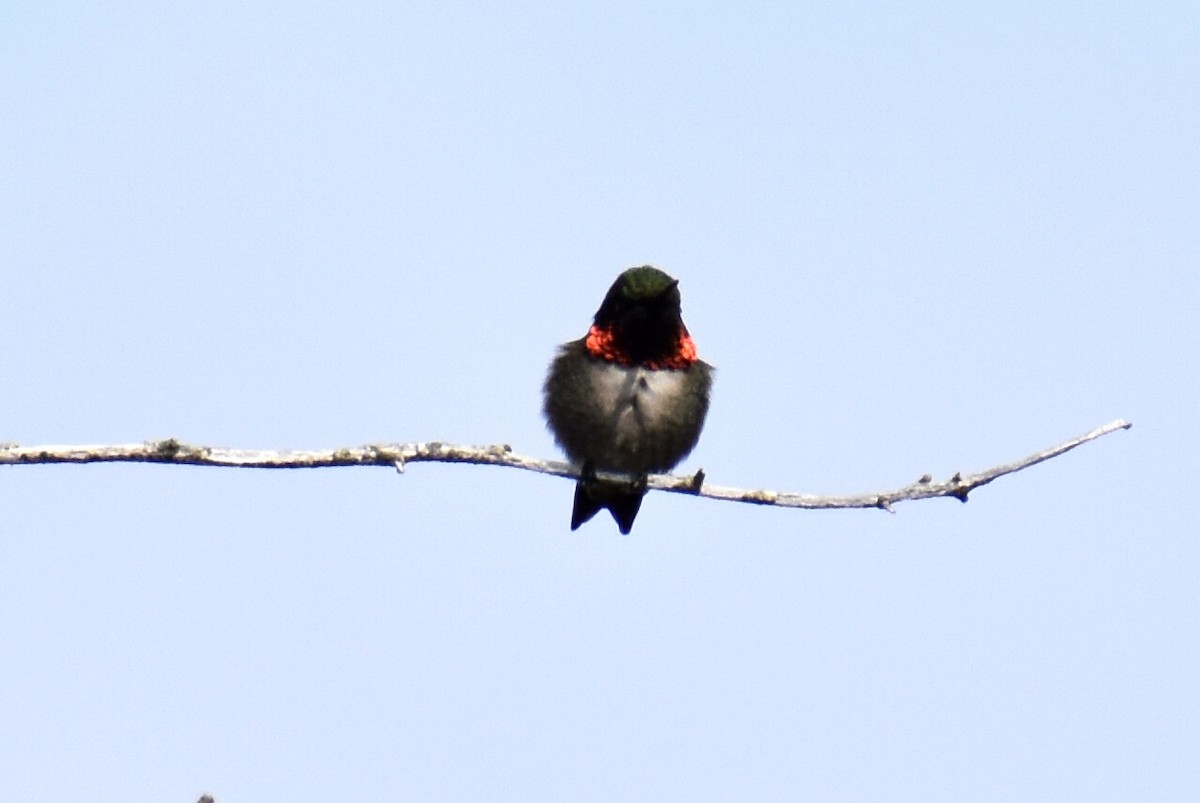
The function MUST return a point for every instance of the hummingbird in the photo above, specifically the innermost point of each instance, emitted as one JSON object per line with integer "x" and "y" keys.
{"x": 629, "y": 397}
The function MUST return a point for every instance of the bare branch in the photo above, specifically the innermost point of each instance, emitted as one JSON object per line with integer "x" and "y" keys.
{"x": 400, "y": 454}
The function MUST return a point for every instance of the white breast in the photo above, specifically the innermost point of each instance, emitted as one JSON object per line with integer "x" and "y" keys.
{"x": 638, "y": 401}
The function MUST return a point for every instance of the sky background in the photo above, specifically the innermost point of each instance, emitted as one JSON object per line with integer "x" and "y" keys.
{"x": 912, "y": 237}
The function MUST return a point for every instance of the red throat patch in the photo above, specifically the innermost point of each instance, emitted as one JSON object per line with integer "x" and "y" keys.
{"x": 600, "y": 343}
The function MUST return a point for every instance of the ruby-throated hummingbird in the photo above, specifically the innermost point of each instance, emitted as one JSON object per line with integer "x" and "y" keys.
{"x": 630, "y": 397}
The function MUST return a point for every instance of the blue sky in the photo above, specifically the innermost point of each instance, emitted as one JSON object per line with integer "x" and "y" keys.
{"x": 912, "y": 238}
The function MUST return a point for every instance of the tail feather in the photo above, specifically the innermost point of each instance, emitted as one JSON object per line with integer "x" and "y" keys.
{"x": 620, "y": 500}
{"x": 585, "y": 506}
